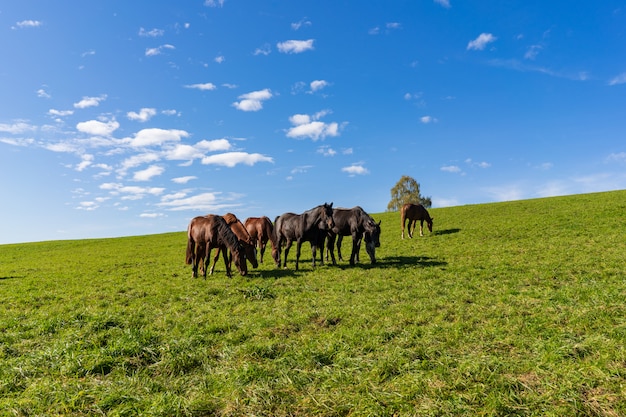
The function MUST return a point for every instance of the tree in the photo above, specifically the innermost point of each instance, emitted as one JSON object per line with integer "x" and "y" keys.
{"x": 407, "y": 190}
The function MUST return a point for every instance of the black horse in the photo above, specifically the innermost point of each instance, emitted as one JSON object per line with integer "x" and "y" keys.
{"x": 310, "y": 226}
{"x": 357, "y": 223}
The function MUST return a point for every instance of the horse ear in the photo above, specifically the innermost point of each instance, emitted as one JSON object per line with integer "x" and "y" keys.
{"x": 331, "y": 204}
{"x": 379, "y": 222}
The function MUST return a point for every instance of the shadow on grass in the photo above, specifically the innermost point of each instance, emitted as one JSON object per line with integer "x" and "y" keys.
{"x": 446, "y": 232}
{"x": 10, "y": 277}
{"x": 402, "y": 261}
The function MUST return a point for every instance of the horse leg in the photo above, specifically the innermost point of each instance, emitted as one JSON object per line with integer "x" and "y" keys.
{"x": 421, "y": 227}
{"x": 287, "y": 247}
{"x": 262, "y": 244}
{"x": 226, "y": 262}
{"x": 412, "y": 224}
{"x": 298, "y": 247}
{"x": 356, "y": 246}
{"x": 194, "y": 262}
{"x": 339, "y": 240}
{"x": 215, "y": 258}
{"x": 330, "y": 247}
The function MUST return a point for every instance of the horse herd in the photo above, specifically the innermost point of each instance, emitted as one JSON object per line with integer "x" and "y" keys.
{"x": 322, "y": 224}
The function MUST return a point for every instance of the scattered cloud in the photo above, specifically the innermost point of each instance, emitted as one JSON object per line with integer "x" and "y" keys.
{"x": 318, "y": 85}
{"x": 153, "y": 33}
{"x": 214, "y": 3}
{"x": 184, "y": 180}
{"x": 60, "y": 113}
{"x": 253, "y": 101}
{"x": 158, "y": 50}
{"x": 454, "y": 169}
{"x": 89, "y": 102}
{"x": 532, "y": 52}
{"x": 98, "y": 128}
{"x": 306, "y": 126}
{"x": 620, "y": 79}
{"x": 301, "y": 23}
{"x": 444, "y": 3}
{"x": 17, "y": 128}
{"x": 155, "y": 137}
{"x": 428, "y": 119}
{"x": 481, "y": 42}
{"x": 326, "y": 151}
{"x": 295, "y": 46}
{"x": 264, "y": 50}
{"x": 144, "y": 114}
{"x": 41, "y": 93}
{"x": 393, "y": 25}
{"x": 27, "y": 24}
{"x": 617, "y": 157}
{"x": 355, "y": 169}
{"x": 219, "y": 59}
{"x": 203, "y": 86}
{"x": 230, "y": 159}
{"x": 204, "y": 202}
{"x": 148, "y": 173}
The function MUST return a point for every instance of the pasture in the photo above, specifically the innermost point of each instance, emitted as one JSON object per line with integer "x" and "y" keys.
{"x": 512, "y": 308}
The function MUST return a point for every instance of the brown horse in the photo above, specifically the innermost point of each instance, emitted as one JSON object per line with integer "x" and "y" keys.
{"x": 207, "y": 232}
{"x": 261, "y": 230}
{"x": 244, "y": 238}
{"x": 415, "y": 212}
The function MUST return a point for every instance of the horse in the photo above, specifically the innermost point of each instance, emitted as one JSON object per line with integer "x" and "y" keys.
{"x": 357, "y": 223}
{"x": 261, "y": 230}
{"x": 244, "y": 238}
{"x": 207, "y": 232}
{"x": 415, "y": 212}
{"x": 310, "y": 226}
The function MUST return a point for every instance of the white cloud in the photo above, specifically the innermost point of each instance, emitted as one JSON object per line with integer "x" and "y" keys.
{"x": 444, "y": 3}
{"x": 532, "y": 52}
{"x": 28, "y": 24}
{"x": 355, "y": 169}
{"x": 203, "y": 86}
{"x": 153, "y": 33}
{"x": 298, "y": 25}
{"x": 184, "y": 180}
{"x": 98, "y": 128}
{"x": 617, "y": 157}
{"x": 87, "y": 160}
{"x": 158, "y": 50}
{"x": 89, "y": 102}
{"x": 219, "y": 59}
{"x": 206, "y": 202}
{"x": 156, "y": 137}
{"x": 143, "y": 116}
{"x": 264, "y": 50}
{"x": 451, "y": 168}
{"x": 41, "y": 93}
{"x": 294, "y": 46}
{"x": 138, "y": 192}
{"x": 230, "y": 159}
{"x": 481, "y": 42}
{"x": 428, "y": 119}
{"x": 253, "y": 101}
{"x": 394, "y": 25}
{"x": 17, "y": 128}
{"x": 318, "y": 85}
{"x": 60, "y": 113}
{"x": 148, "y": 173}
{"x": 306, "y": 126}
{"x": 620, "y": 79}
{"x": 214, "y": 3}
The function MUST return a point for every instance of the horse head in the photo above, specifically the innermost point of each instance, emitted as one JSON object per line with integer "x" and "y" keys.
{"x": 327, "y": 216}
{"x": 239, "y": 255}
{"x": 372, "y": 239}
{"x": 429, "y": 223}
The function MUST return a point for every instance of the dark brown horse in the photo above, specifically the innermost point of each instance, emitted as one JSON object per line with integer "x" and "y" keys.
{"x": 244, "y": 238}
{"x": 310, "y": 226}
{"x": 207, "y": 232}
{"x": 261, "y": 230}
{"x": 415, "y": 212}
{"x": 357, "y": 223}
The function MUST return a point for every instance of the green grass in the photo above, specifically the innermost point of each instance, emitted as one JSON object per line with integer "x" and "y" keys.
{"x": 506, "y": 309}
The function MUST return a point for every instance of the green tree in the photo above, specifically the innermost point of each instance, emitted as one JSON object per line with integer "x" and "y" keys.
{"x": 407, "y": 190}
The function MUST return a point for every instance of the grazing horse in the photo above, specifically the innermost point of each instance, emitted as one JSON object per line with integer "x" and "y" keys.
{"x": 415, "y": 212}
{"x": 244, "y": 238}
{"x": 261, "y": 230}
{"x": 207, "y": 232}
{"x": 357, "y": 223}
{"x": 310, "y": 226}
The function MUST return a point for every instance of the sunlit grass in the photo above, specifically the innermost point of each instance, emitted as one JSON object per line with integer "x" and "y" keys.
{"x": 506, "y": 309}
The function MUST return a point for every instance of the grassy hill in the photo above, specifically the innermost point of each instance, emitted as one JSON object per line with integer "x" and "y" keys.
{"x": 506, "y": 309}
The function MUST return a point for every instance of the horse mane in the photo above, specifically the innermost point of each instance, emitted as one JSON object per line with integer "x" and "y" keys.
{"x": 230, "y": 218}
{"x": 226, "y": 235}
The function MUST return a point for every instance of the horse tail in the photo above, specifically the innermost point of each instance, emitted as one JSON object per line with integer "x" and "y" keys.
{"x": 190, "y": 247}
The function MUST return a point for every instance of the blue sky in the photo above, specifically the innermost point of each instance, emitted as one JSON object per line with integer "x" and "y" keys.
{"x": 128, "y": 118}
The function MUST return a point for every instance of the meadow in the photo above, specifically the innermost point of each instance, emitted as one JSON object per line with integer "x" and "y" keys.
{"x": 513, "y": 308}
